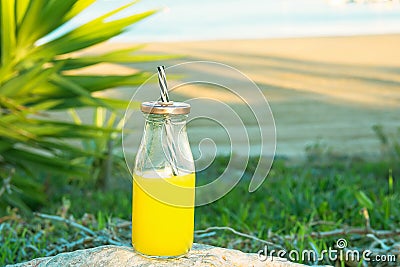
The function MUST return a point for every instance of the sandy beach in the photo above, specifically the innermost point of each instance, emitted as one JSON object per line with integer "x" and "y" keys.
{"x": 329, "y": 90}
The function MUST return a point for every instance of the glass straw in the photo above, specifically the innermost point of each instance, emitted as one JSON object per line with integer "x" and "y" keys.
{"x": 171, "y": 154}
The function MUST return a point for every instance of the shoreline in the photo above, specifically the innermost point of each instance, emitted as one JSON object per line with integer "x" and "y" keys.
{"x": 281, "y": 38}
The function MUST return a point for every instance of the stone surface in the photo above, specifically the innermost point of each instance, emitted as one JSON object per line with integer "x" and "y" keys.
{"x": 200, "y": 255}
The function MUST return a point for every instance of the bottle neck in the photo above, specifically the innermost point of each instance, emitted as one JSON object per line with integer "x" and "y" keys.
{"x": 165, "y": 146}
{"x": 161, "y": 119}
{"x": 164, "y": 127}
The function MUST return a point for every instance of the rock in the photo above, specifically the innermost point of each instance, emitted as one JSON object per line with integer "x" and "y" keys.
{"x": 200, "y": 255}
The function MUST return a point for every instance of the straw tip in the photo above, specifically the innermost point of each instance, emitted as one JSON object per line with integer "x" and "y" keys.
{"x": 161, "y": 68}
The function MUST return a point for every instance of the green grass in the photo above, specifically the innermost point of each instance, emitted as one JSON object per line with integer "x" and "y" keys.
{"x": 294, "y": 200}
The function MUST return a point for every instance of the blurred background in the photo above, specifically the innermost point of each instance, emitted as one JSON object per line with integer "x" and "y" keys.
{"x": 327, "y": 68}
{"x": 181, "y": 20}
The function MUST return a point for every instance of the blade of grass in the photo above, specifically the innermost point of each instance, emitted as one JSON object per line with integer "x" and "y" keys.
{"x": 89, "y": 34}
{"x": 98, "y": 83}
{"x": 78, "y": 8}
{"x": 77, "y": 89}
{"x": 32, "y": 78}
{"x": 77, "y": 102}
{"x": 8, "y": 30}
{"x": 43, "y": 162}
{"x": 21, "y": 7}
{"x": 74, "y": 115}
{"x": 14, "y": 132}
{"x": 99, "y": 116}
{"x": 30, "y": 28}
{"x": 123, "y": 56}
{"x": 54, "y": 13}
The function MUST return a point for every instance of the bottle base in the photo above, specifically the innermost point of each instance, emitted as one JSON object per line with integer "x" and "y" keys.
{"x": 161, "y": 257}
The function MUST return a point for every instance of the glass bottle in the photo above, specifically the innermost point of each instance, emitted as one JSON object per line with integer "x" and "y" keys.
{"x": 164, "y": 183}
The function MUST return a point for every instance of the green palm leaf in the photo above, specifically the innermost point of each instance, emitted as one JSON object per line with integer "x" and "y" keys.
{"x": 8, "y": 30}
{"x": 33, "y": 83}
{"x": 89, "y": 34}
{"x": 120, "y": 56}
{"x": 78, "y": 8}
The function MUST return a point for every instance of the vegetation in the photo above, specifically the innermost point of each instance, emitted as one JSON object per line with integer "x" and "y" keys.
{"x": 292, "y": 206}
{"x": 60, "y": 167}
{"x": 39, "y": 78}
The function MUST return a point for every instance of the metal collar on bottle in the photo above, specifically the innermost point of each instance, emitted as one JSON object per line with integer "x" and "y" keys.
{"x": 171, "y": 107}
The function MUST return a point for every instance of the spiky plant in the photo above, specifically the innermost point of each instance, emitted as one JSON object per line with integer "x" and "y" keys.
{"x": 34, "y": 80}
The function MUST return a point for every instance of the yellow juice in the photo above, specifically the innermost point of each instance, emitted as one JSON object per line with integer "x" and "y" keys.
{"x": 163, "y": 215}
